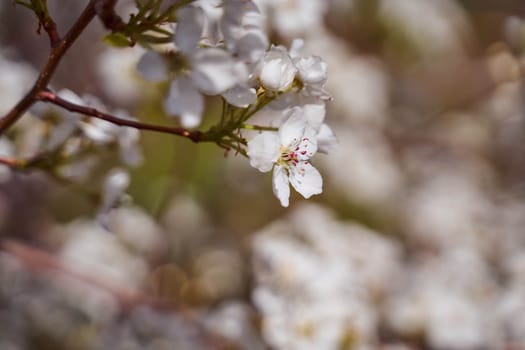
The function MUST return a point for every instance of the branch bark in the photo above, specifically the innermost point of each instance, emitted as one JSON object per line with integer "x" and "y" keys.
{"x": 55, "y": 56}
{"x": 48, "y": 96}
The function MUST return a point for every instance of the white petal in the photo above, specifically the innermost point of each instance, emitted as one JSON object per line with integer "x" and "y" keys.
{"x": 99, "y": 131}
{"x": 281, "y": 188}
{"x": 307, "y": 146}
{"x": 185, "y": 101}
{"x": 240, "y": 96}
{"x": 115, "y": 184}
{"x": 190, "y": 25}
{"x": 326, "y": 140}
{"x": 312, "y": 70}
{"x": 306, "y": 179}
{"x": 276, "y": 71}
{"x": 292, "y": 129}
{"x": 215, "y": 71}
{"x": 152, "y": 67}
{"x": 236, "y": 10}
{"x": 314, "y": 112}
{"x": 296, "y": 47}
{"x": 70, "y": 96}
{"x": 263, "y": 151}
{"x": 251, "y": 45}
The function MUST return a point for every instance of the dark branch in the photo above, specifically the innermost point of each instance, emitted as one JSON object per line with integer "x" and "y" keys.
{"x": 193, "y": 135}
{"x": 105, "y": 10}
{"x": 55, "y": 56}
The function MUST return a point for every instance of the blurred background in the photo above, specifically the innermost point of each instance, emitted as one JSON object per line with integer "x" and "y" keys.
{"x": 417, "y": 241}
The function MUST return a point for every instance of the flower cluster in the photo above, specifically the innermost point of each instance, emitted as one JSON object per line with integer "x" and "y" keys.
{"x": 215, "y": 49}
{"x": 223, "y": 50}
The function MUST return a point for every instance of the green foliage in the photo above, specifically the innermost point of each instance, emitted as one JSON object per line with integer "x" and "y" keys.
{"x": 146, "y": 26}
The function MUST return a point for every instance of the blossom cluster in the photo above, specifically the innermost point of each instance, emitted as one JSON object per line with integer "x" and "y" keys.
{"x": 223, "y": 50}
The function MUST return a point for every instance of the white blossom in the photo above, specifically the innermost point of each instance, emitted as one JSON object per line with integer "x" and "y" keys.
{"x": 276, "y": 70}
{"x": 288, "y": 152}
{"x": 209, "y": 70}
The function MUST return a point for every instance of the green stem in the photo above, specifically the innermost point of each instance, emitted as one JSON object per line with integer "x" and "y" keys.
{"x": 258, "y": 127}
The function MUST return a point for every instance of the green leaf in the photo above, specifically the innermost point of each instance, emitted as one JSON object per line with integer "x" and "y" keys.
{"x": 117, "y": 40}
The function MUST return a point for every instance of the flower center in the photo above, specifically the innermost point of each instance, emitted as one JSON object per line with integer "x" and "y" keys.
{"x": 290, "y": 155}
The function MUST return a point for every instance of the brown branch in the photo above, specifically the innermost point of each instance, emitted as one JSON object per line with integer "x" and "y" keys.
{"x": 52, "y": 32}
{"x": 105, "y": 10}
{"x": 55, "y": 56}
{"x": 11, "y": 162}
{"x": 193, "y": 135}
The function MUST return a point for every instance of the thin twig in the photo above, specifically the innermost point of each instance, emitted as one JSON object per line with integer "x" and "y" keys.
{"x": 11, "y": 162}
{"x": 55, "y": 56}
{"x": 48, "y": 96}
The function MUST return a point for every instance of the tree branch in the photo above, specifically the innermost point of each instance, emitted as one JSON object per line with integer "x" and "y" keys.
{"x": 55, "y": 56}
{"x": 105, "y": 10}
{"x": 193, "y": 135}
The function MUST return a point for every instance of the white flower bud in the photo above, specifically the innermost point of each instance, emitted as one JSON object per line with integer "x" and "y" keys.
{"x": 276, "y": 70}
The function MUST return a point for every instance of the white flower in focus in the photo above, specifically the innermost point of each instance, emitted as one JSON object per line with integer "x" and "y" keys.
{"x": 314, "y": 112}
{"x": 312, "y": 71}
{"x": 276, "y": 70}
{"x": 288, "y": 153}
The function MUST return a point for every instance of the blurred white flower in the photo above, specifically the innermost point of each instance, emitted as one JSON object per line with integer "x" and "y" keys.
{"x": 242, "y": 26}
{"x": 442, "y": 31}
{"x": 235, "y": 321}
{"x": 316, "y": 284}
{"x": 363, "y": 167}
{"x": 116, "y": 70}
{"x": 137, "y": 230}
{"x": 210, "y": 70}
{"x": 17, "y": 78}
{"x": 114, "y": 187}
{"x": 98, "y": 255}
{"x": 288, "y": 153}
{"x": 293, "y": 18}
{"x": 6, "y": 150}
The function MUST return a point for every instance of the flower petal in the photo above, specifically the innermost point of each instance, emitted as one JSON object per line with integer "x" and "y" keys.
{"x": 314, "y": 111}
{"x": 307, "y": 146}
{"x": 326, "y": 140}
{"x": 185, "y": 101}
{"x": 276, "y": 70}
{"x": 152, "y": 67}
{"x": 240, "y": 96}
{"x": 306, "y": 179}
{"x": 215, "y": 71}
{"x": 292, "y": 129}
{"x": 312, "y": 70}
{"x": 252, "y": 45}
{"x": 281, "y": 188}
{"x": 263, "y": 151}
{"x": 190, "y": 25}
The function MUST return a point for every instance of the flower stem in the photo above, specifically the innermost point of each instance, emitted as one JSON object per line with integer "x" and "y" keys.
{"x": 258, "y": 127}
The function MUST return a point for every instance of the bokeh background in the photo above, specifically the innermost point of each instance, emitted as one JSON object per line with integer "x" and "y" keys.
{"x": 417, "y": 242}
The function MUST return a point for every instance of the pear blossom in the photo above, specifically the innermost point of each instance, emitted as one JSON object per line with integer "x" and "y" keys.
{"x": 242, "y": 27}
{"x": 314, "y": 112}
{"x": 276, "y": 70}
{"x": 288, "y": 152}
{"x": 207, "y": 70}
